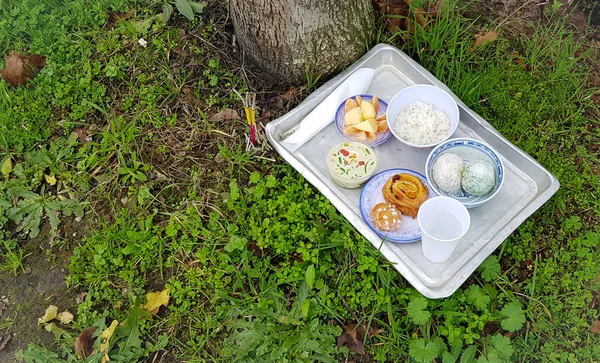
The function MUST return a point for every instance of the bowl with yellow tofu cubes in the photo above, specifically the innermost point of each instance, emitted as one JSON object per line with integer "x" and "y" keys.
{"x": 363, "y": 118}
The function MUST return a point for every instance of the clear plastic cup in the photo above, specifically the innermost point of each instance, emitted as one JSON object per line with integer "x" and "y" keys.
{"x": 443, "y": 222}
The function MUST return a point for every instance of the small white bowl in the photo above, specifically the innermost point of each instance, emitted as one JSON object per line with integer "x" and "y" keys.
{"x": 432, "y": 95}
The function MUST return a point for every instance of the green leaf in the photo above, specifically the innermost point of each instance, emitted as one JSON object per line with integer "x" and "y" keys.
{"x": 141, "y": 176}
{"x": 514, "y": 317}
{"x": 7, "y": 167}
{"x": 490, "y": 268}
{"x": 185, "y": 9}
{"x": 127, "y": 336}
{"x": 305, "y": 308}
{"x": 422, "y": 352}
{"x": 491, "y": 358}
{"x": 37, "y": 354}
{"x": 416, "y": 312}
{"x": 502, "y": 345}
{"x": 52, "y": 218}
{"x": 254, "y": 177}
{"x": 309, "y": 275}
{"x": 468, "y": 354}
{"x": 197, "y": 7}
{"x": 448, "y": 358}
{"x": 477, "y": 297}
{"x": 167, "y": 11}
{"x": 236, "y": 243}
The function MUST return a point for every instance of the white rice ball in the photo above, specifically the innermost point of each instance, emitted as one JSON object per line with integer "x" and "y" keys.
{"x": 447, "y": 172}
{"x": 479, "y": 177}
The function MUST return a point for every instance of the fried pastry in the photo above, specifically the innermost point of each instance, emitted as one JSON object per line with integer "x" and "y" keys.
{"x": 406, "y": 192}
{"x": 386, "y": 217}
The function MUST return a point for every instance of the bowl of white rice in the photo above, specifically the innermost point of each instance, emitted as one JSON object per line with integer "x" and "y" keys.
{"x": 422, "y": 116}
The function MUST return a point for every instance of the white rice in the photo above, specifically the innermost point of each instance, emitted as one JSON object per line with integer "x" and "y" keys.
{"x": 422, "y": 124}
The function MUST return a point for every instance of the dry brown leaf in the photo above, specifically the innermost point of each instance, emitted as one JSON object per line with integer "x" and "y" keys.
{"x": 520, "y": 61}
{"x": 484, "y": 38}
{"x": 84, "y": 344}
{"x": 226, "y": 114}
{"x": 354, "y": 335}
{"x": 433, "y": 8}
{"x": 289, "y": 94}
{"x": 156, "y": 300}
{"x": 595, "y": 329}
{"x": 395, "y": 15}
{"x": 22, "y": 67}
{"x": 4, "y": 340}
{"x": 80, "y": 298}
{"x": 420, "y": 15}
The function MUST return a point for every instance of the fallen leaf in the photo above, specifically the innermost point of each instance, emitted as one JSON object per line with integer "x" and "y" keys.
{"x": 105, "y": 340}
{"x": 114, "y": 18}
{"x": 83, "y": 137}
{"x": 433, "y": 9}
{"x": 7, "y": 167}
{"x": 289, "y": 94}
{"x": 50, "y": 179}
{"x": 420, "y": 16}
{"x": 84, "y": 344}
{"x": 50, "y": 314}
{"x": 520, "y": 61}
{"x": 3, "y": 303}
{"x": 354, "y": 336}
{"x": 484, "y": 38}
{"x": 80, "y": 298}
{"x": 156, "y": 300}
{"x": 65, "y": 317}
{"x": 395, "y": 15}
{"x": 22, "y": 67}
{"x": 226, "y": 114}
{"x": 4, "y": 340}
{"x": 595, "y": 329}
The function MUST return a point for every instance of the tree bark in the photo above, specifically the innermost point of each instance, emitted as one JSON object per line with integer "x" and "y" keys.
{"x": 291, "y": 39}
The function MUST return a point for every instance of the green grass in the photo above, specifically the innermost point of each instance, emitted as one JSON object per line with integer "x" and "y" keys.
{"x": 260, "y": 266}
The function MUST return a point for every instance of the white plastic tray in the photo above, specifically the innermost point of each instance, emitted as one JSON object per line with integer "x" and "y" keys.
{"x": 527, "y": 185}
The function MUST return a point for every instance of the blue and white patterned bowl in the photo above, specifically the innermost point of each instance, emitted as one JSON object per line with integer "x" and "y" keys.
{"x": 469, "y": 150}
{"x": 372, "y": 194}
{"x": 381, "y": 136}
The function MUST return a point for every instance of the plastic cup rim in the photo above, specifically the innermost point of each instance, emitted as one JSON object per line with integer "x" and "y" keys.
{"x": 465, "y": 230}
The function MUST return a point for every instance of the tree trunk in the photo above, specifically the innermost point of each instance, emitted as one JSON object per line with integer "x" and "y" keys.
{"x": 291, "y": 39}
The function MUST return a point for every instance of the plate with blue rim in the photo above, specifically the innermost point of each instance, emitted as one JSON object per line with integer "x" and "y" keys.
{"x": 341, "y": 112}
{"x": 372, "y": 194}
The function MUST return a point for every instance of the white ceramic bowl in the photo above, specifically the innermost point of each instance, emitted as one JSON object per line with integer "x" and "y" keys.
{"x": 432, "y": 95}
{"x": 469, "y": 150}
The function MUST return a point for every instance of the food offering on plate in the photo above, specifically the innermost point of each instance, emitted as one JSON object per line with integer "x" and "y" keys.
{"x": 478, "y": 178}
{"x": 390, "y": 201}
{"x": 363, "y": 118}
{"x": 452, "y": 176}
{"x": 386, "y": 217}
{"x": 406, "y": 192}
{"x": 422, "y": 124}
{"x": 466, "y": 170}
{"x": 448, "y": 172}
{"x": 351, "y": 164}
{"x": 422, "y": 116}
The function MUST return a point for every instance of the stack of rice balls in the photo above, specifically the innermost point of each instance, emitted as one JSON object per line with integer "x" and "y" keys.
{"x": 452, "y": 176}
